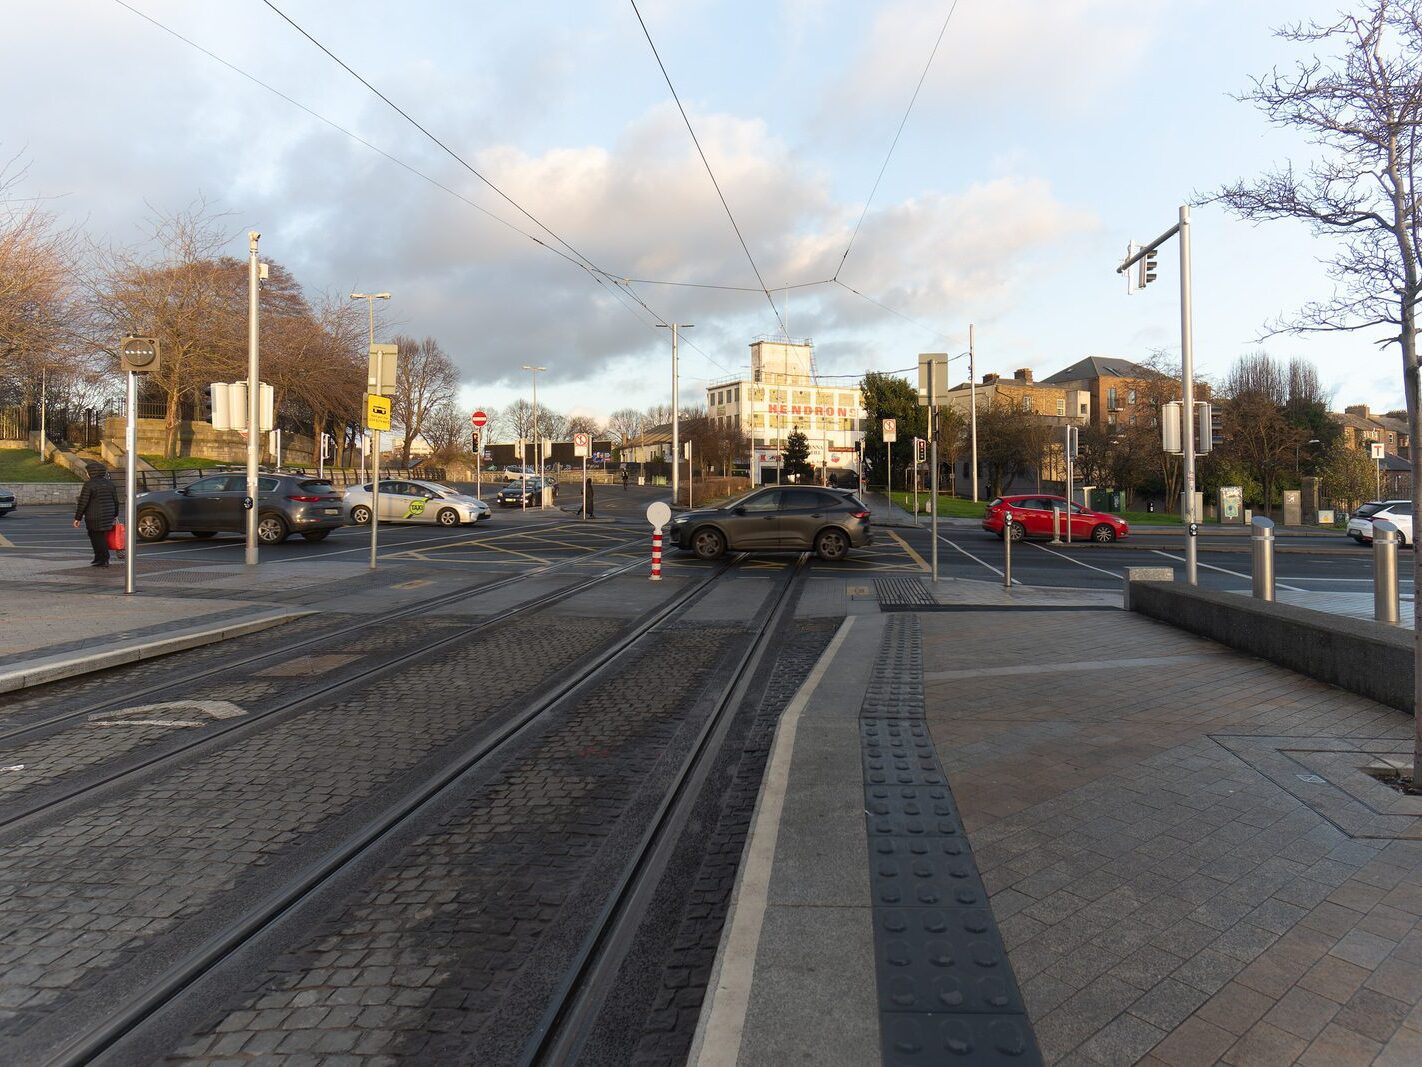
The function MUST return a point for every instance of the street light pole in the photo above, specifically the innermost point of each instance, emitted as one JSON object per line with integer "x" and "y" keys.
{"x": 254, "y": 398}
{"x": 676, "y": 328}
{"x": 973, "y": 403}
{"x": 537, "y": 444}
{"x": 370, "y": 299}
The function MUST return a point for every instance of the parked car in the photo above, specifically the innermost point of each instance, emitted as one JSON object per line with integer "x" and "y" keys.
{"x": 522, "y": 493}
{"x": 1397, "y": 512}
{"x": 1032, "y": 517}
{"x": 791, "y": 518}
{"x": 514, "y": 473}
{"x": 286, "y": 504}
{"x": 404, "y": 500}
{"x": 7, "y": 502}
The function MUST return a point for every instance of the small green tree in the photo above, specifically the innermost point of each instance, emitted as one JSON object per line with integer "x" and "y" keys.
{"x": 796, "y": 457}
{"x": 1349, "y": 476}
{"x": 887, "y": 396}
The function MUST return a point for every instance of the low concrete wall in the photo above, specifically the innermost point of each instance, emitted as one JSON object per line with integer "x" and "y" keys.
{"x": 1368, "y": 658}
{"x": 45, "y": 492}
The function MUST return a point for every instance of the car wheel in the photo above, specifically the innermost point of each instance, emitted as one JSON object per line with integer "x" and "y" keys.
{"x": 708, "y": 543}
{"x": 447, "y": 517}
{"x": 204, "y": 533}
{"x": 1103, "y": 534}
{"x": 831, "y": 545}
{"x": 272, "y": 530}
{"x": 316, "y": 535}
{"x": 1019, "y": 532}
{"x": 151, "y": 526}
{"x": 360, "y": 515}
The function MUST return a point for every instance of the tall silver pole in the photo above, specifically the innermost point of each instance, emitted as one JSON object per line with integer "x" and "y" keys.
{"x": 1187, "y": 379}
{"x": 537, "y": 444}
{"x": 130, "y": 482}
{"x": 973, "y": 403}
{"x": 44, "y": 396}
{"x": 374, "y": 444}
{"x": 1070, "y": 477}
{"x": 933, "y": 459}
{"x": 676, "y": 420}
{"x": 254, "y": 399}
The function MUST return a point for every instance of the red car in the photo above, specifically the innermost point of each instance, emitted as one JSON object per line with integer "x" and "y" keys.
{"x": 1032, "y": 517}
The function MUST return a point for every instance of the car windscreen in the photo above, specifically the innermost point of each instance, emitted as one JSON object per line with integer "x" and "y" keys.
{"x": 318, "y": 486}
{"x": 854, "y": 502}
{"x": 1369, "y": 509}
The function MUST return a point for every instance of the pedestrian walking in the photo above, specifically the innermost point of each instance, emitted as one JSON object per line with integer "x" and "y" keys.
{"x": 98, "y": 510}
{"x": 587, "y": 488}
{"x": 624, "y": 481}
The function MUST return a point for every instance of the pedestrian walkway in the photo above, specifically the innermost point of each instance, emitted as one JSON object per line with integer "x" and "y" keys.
{"x": 1186, "y": 857}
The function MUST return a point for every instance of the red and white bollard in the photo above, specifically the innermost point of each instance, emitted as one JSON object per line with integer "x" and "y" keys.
{"x": 657, "y": 555}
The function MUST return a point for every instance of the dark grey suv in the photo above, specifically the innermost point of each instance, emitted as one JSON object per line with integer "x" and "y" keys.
{"x": 287, "y": 504}
{"x": 790, "y": 518}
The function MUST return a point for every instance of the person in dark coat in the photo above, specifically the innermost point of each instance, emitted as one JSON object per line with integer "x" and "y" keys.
{"x": 624, "y": 481}
{"x": 98, "y": 509}
{"x": 587, "y": 488}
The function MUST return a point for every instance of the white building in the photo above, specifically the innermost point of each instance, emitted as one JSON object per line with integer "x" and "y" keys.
{"x": 782, "y": 395}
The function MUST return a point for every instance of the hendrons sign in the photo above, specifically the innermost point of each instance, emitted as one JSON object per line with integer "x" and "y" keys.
{"x": 805, "y": 409}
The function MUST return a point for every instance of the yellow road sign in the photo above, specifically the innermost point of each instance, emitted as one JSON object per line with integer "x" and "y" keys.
{"x": 377, "y": 412}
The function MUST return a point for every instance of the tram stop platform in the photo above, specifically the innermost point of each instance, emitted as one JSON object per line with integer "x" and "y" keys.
{"x": 993, "y": 836}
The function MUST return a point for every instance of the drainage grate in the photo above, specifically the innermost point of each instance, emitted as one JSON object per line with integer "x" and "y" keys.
{"x": 946, "y": 988}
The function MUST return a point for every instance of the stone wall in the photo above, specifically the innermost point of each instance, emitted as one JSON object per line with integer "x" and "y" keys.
{"x": 45, "y": 492}
{"x": 199, "y": 439}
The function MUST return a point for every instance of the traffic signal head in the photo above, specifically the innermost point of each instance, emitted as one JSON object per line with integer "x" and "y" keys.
{"x": 1147, "y": 267}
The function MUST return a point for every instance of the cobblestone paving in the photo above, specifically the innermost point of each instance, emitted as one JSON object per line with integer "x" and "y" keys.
{"x": 43, "y": 701}
{"x": 419, "y": 965}
{"x": 80, "y": 897}
{"x": 1162, "y": 900}
{"x": 669, "y": 1025}
{"x": 96, "y": 740}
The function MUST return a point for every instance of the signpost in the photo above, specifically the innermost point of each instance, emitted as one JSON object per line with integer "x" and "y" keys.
{"x": 137, "y": 355}
{"x": 479, "y": 419}
{"x": 658, "y": 514}
{"x": 690, "y": 477}
{"x": 890, "y": 434}
{"x": 380, "y": 387}
{"x": 1378, "y": 450}
{"x": 582, "y": 444}
{"x": 932, "y": 377}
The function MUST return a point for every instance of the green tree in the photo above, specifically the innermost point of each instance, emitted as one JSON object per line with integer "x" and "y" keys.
{"x": 1349, "y": 476}
{"x": 887, "y": 396}
{"x": 796, "y": 457}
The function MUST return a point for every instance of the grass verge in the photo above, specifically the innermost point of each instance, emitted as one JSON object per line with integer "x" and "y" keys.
{"x": 23, "y": 465}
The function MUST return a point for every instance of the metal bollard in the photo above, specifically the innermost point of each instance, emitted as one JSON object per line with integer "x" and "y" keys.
{"x": 1262, "y": 550}
{"x": 1385, "y": 537}
{"x": 1007, "y": 548}
{"x": 1056, "y": 525}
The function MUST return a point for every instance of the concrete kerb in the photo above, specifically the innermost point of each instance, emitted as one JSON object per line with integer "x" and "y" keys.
{"x": 46, "y": 669}
{"x": 721, "y": 1027}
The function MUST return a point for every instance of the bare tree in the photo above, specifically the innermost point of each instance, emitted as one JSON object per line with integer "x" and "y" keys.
{"x": 447, "y": 430}
{"x": 1256, "y": 432}
{"x": 425, "y": 380}
{"x": 625, "y": 424}
{"x": 587, "y": 424}
{"x": 1358, "y": 100}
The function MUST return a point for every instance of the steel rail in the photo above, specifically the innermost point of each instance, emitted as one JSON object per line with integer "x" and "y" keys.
{"x": 298, "y": 701}
{"x": 166, "y": 987}
{"x": 570, "y": 1017}
{"x": 185, "y": 685}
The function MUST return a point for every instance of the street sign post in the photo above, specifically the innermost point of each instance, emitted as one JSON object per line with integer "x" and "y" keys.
{"x": 139, "y": 355}
{"x": 890, "y": 434}
{"x": 582, "y": 445}
{"x": 1378, "y": 450}
{"x": 658, "y": 514}
{"x": 380, "y": 385}
{"x": 479, "y": 419}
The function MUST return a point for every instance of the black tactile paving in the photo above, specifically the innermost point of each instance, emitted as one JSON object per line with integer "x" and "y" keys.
{"x": 900, "y": 593}
{"x": 947, "y": 993}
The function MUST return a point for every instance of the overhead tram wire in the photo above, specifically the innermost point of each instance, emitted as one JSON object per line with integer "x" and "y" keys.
{"x": 707, "y": 164}
{"x": 897, "y": 134}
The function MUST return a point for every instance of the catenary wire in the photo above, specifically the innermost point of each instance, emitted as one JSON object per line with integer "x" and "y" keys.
{"x": 707, "y": 163}
{"x": 895, "y": 143}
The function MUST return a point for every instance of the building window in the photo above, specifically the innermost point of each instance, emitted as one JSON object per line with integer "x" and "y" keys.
{"x": 1130, "y": 396}
{"x": 1111, "y": 398}
{"x": 1061, "y": 407}
{"x": 1027, "y": 402}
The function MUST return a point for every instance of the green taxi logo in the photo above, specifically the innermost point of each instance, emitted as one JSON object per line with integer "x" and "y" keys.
{"x": 417, "y": 507}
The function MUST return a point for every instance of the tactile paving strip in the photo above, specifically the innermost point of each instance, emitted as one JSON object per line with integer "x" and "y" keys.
{"x": 947, "y": 993}
{"x": 902, "y": 593}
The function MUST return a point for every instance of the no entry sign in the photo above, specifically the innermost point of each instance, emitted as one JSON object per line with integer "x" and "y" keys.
{"x": 479, "y": 418}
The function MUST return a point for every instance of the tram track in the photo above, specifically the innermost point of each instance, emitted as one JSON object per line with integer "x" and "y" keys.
{"x": 52, "y": 797}
{"x": 141, "y": 1006}
{"x": 180, "y": 688}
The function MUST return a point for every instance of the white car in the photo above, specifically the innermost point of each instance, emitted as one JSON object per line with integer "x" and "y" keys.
{"x": 1397, "y": 512}
{"x": 405, "y": 500}
{"x": 518, "y": 474}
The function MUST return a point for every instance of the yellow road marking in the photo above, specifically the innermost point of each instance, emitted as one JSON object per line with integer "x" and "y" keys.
{"x": 412, "y": 584}
{"x": 909, "y": 549}
{"x": 5, "y": 542}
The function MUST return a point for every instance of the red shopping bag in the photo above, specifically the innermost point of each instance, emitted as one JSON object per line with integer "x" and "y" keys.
{"x": 118, "y": 537}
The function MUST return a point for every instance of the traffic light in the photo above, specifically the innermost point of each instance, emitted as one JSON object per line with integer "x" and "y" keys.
{"x": 474, "y": 441}
{"x": 858, "y": 447}
{"x": 1147, "y": 266}
{"x": 920, "y": 450}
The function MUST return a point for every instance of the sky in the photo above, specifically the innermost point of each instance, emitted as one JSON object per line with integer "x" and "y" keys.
{"x": 1047, "y": 134}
